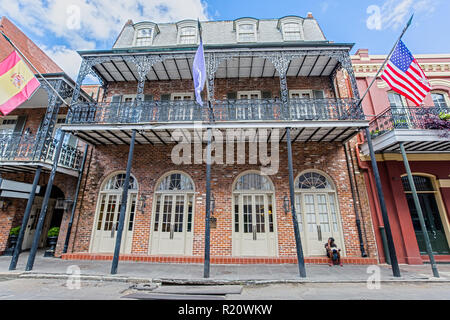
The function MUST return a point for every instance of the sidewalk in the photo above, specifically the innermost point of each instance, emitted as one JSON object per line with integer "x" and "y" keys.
{"x": 220, "y": 274}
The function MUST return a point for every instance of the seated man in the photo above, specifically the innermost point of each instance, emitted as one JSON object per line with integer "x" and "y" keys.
{"x": 333, "y": 252}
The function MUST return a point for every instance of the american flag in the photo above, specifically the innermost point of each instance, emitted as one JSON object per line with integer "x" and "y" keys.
{"x": 404, "y": 75}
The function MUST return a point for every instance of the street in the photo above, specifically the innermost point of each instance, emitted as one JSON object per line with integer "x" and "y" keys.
{"x": 44, "y": 289}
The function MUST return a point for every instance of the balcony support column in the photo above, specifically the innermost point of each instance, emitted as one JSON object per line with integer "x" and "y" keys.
{"x": 43, "y": 213}
{"x": 298, "y": 241}
{"x": 387, "y": 226}
{"x": 206, "y": 267}
{"x": 25, "y": 219}
{"x": 123, "y": 205}
{"x": 419, "y": 211}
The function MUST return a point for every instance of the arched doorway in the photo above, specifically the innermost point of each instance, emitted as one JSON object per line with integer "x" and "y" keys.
{"x": 107, "y": 215}
{"x": 53, "y": 217}
{"x": 317, "y": 212}
{"x": 254, "y": 229}
{"x": 173, "y": 221}
{"x": 435, "y": 218}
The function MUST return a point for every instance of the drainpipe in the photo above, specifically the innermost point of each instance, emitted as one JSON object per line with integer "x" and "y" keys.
{"x": 357, "y": 214}
{"x": 365, "y": 167}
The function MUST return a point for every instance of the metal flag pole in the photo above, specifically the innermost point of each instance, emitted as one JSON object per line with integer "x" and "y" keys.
{"x": 386, "y": 60}
{"x": 390, "y": 240}
{"x": 35, "y": 69}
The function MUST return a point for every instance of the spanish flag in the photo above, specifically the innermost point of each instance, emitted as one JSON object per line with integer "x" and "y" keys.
{"x": 17, "y": 83}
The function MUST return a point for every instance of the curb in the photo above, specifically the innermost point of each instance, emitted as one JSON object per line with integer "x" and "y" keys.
{"x": 200, "y": 281}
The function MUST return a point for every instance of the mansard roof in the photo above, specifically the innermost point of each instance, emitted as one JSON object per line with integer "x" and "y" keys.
{"x": 216, "y": 33}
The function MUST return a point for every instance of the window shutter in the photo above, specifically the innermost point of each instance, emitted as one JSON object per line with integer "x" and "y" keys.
{"x": 232, "y": 95}
{"x": 116, "y": 99}
{"x": 267, "y": 94}
{"x": 165, "y": 97}
{"x": 20, "y": 124}
{"x": 318, "y": 94}
{"x": 148, "y": 97}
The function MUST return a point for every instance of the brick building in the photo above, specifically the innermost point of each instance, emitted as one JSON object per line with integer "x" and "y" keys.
{"x": 27, "y": 143}
{"x": 271, "y": 83}
{"x": 275, "y": 79}
{"x": 395, "y": 120}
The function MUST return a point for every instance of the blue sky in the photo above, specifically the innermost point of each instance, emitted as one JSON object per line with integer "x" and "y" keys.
{"x": 62, "y": 27}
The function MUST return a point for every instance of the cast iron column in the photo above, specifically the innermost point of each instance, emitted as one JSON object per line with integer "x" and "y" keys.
{"x": 419, "y": 212}
{"x": 75, "y": 200}
{"x": 387, "y": 226}
{"x": 123, "y": 205}
{"x": 43, "y": 213}
{"x": 206, "y": 267}
{"x": 298, "y": 241}
{"x": 26, "y": 216}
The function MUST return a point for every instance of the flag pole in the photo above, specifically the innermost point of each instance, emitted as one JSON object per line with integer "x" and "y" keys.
{"x": 386, "y": 60}
{"x": 34, "y": 68}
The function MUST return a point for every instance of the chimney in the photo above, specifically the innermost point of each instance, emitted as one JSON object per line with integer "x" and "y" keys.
{"x": 310, "y": 16}
{"x": 363, "y": 53}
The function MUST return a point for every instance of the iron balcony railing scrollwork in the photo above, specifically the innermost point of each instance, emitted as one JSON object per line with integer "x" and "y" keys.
{"x": 22, "y": 148}
{"x": 425, "y": 118}
{"x": 223, "y": 110}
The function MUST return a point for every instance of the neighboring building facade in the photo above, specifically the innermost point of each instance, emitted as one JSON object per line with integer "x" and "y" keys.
{"x": 263, "y": 75}
{"x": 395, "y": 119}
{"x": 27, "y": 142}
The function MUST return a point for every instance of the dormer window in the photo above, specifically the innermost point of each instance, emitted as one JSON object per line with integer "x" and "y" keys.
{"x": 144, "y": 37}
{"x": 246, "y": 33}
{"x": 291, "y": 27}
{"x": 187, "y": 32}
{"x": 291, "y": 31}
{"x": 188, "y": 35}
{"x": 246, "y": 29}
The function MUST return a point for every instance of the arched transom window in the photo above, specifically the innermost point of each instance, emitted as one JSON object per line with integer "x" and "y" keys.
{"x": 176, "y": 182}
{"x": 253, "y": 181}
{"x": 116, "y": 183}
{"x": 313, "y": 180}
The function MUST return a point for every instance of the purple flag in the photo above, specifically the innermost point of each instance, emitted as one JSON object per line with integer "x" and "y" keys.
{"x": 199, "y": 73}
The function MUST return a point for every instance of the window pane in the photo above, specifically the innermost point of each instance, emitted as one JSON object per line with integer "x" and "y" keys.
{"x": 395, "y": 100}
{"x": 157, "y": 209}
{"x": 189, "y": 218}
{"x": 439, "y": 100}
{"x": 132, "y": 212}
{"x": 291, "y": 31}
{"x": 236, "y": 214}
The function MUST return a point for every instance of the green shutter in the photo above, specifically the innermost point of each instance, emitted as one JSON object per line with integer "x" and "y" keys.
{"x": 165, "y": 97}
{"x": 20, "y": 124}
{"x": 232, "y": 95}
{"x": 116, "y": 99}
{"x": 318, "y": 94}
{"x": 266, "y": 94}
{"x": 148, "y": 97}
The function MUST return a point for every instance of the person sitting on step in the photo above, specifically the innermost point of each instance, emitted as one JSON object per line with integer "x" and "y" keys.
{"x": 333, "y": 253}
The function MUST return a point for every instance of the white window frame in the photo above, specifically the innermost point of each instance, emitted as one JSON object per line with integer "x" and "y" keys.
{"x": 8, "y": 126}
{"x": 183, "y": 95}
{"x": 300, "y": 92}
{"x": 445, "y": 94}
{"x": 299, "y": 30}
{"x": 249, "y": 93}
{"x": 136, "y": 37}
{"x": 180, "y": 33}
{"x": 246, "y": 22}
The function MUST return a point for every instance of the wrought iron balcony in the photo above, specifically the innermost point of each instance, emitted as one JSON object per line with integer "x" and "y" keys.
{"x": 420, "y": 118}
{"x": 26, "y": 148}
{"x": 222, "y": 110}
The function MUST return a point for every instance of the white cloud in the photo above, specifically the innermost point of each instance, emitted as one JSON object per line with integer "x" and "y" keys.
{"x": 393, "y": 14}
{"x": 91, "y": 24}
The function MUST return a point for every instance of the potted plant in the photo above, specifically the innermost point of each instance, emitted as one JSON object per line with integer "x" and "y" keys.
{"x": 13, "y": 235}
{"x": 52, "y": 239}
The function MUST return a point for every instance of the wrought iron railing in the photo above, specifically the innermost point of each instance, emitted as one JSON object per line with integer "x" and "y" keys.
{"x": 25, "y": 148}
{"x": 223, "y": 110}
{"x": 426, "y": 118}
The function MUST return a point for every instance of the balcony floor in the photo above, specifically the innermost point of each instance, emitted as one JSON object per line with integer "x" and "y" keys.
{"x": 319, "y": 131}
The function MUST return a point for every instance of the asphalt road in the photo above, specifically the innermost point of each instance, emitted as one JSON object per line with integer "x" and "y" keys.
{"x": 43, "y": 289}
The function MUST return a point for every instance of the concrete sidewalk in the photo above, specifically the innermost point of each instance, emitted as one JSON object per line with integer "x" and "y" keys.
{"x": 55, "y": 268}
